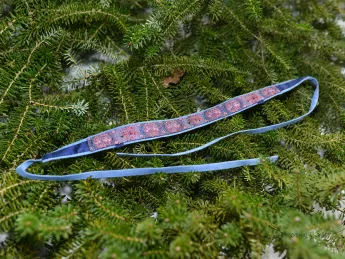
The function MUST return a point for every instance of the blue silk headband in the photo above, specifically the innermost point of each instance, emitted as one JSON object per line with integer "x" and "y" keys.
{"x": 149, "y": 130}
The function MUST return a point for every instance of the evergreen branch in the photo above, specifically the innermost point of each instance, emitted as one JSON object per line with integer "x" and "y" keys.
{"x": 9, "y": 24}
{"x": 44, "y": 39}
{"x": 325, "y": 225}
{"x": 146, "y": 94}
{"x": 275, "y": 8}
{"x": 16, "y": 135}
{"x": 13, "y": 81}
{"x": 197, "y": 64}
{"x": 181, "y": 14}
{"x": 316, "y": 141}
{"x": 119, "y": 49}
{"x": 77, "y": 13}
{"x": 254, "y": 9}
{"x": 41, "y": 196}
{"x": 155, "y": 252}
{"x": 96, "y": 198}
{"x": 123, "y": 238}
{"x": 299, "y": 201}
{"x": 328, "y": 73}
{"x": 114, "y": 159}
{"x": 70, "y": 215}
{"x": 55, "y": 228}
{"x": 60, "y": 43}
{"x": 17, "y": 132}
{"x": 164, "y": 97}
{"x": 80, "y": 108}
{"x": 15, "y": 162}
{"x": 4, "y": 190}
{"x": 107, "y": 210}
{"x": 124, "y": 105}
{"x": 76, "y": 245}
{"x": 71, "y": 58}
{"x": 279, "y": 58}
{"x": 228, "y": 14}
{"x": 265, "y": 69}
{"x": 12, "y": 50}
{"x": 126, "y": 162}
{"x": 96, "y": 31}
{"x": 10, "y": 215}
{"x": 341, "y": 88}
{"x": 147, "y": 100}
{"x": 267, "y": 223}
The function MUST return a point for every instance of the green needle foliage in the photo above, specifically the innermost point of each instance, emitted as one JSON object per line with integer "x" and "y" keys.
{"x": 224, "y": 48}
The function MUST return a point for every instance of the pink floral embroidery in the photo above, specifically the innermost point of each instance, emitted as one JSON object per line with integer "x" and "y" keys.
{"x": 213, "y": 113}
{"x": 243, "y": 101}
{"x": 249, "y": 99}
{"x": 130, "y": 133}
{"x": 253, "y": 98}
{"x": 233, "y": 105}
{"x": 101, "y": 141}
{"x": 154, "y": 129}
{"x": 116, "y": 135}
{"x": 151, "y": 129}
{"x": 195, "y": 120}
{"x": 269, "y": 91}
{"x": 172, "y": 126}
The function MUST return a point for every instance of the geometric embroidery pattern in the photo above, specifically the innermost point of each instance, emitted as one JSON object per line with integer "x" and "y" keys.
{"x": 152, "y": 129}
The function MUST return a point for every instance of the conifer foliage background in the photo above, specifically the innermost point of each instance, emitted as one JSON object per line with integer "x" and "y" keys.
{"x": 49, "y": 97}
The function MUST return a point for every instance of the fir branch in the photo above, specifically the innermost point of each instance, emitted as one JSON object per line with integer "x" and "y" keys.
{"x": 92, "y": 12}
{"x": 16, "y": 135}
{"x": 230, "y": 16}
{"x": 9, "y": 25}
{"x": 122, "y": 237}
{"x": 95, "y": 199}
{"x": 164, "y": 97}
{"x": 188, "y": 10}
{"x": 18, "y": 212}
{"x": 254, "y": 9}
{"x": 115, "y": 160}
{"x": 72, "y": 250}
{"x": 208, "y": 66}
{"x": 4, "y": 190}
{"x": 79, "y": 108}
{"x": 44, "y": 39}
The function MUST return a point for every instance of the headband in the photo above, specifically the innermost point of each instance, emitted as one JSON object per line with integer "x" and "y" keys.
{"x": 150, "y": 130}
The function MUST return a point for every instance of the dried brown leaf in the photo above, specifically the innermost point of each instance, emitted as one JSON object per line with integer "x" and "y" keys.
{"x": 174, "y": 78}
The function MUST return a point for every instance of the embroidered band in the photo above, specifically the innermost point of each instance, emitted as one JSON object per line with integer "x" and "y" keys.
{"x": 149, "y": 130}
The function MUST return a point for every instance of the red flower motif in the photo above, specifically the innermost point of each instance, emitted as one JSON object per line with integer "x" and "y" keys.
{"x": 151, "y": 129}
{"x": 172, "y": 126}
{"x": 213, "y": 113}
{"x": 270, "y": 91}
{"x": 101, "y": 141}
{"x": 233, "y": 105}
{"x": 253, "y": 98}
{"x": 130, "y": 133}
{"x": 195, "y": 120}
